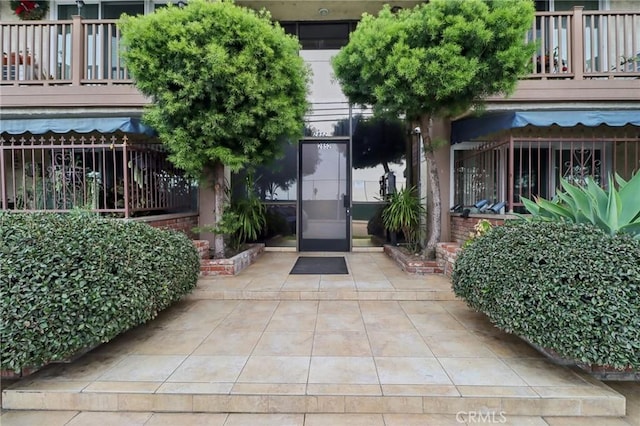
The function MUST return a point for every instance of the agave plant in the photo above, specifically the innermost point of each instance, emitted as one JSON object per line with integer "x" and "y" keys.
{"x": 614, "y": 210}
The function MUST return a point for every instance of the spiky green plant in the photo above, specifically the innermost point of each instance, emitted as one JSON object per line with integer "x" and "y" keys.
{"x": 403, "y": 213}
{"x": 614, "y": 210}
{"x": 244, "y": 218}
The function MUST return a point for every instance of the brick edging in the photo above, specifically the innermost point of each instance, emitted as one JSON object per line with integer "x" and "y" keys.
{"x": 231, "y": 266}
{"x": 446, "y": 254}
{"x": 412, "y": 264}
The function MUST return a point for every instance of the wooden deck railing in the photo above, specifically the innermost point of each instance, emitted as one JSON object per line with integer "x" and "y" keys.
{"x": 582, "y": 44}
{"x": 72, "y": 52}
{"x": 576, "y": 44}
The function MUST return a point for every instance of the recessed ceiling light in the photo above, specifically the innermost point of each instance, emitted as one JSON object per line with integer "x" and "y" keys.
{"x": 323, "y": 11}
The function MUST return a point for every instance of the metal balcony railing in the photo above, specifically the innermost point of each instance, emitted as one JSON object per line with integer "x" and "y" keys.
{"x": 520, "y": 166}
{"x": 104, "y": 174}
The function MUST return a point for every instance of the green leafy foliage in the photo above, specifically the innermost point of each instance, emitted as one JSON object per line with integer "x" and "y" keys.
{"x": 403, "y": 213}
{"x": 30, "y": 10}
{"x": 566, "y": 287}
{"x": 244, "y": 217}
{"x": 479, "y": 229}
{"x": 227, "y": 84}
{"x": 73, "y": 281}
{"x": 613, "y": 209}
{"x": 438, "y": 58}
{"x": 242, "y": 221}
{"x": 435, "y": 60}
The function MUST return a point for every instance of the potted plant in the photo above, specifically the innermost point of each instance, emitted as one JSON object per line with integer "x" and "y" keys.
{"x": 30, "y": 10}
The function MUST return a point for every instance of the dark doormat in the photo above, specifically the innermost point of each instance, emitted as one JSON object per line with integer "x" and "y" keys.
{"x": 319, "y": 265}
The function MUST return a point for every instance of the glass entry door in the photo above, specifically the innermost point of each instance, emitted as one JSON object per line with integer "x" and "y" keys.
{"x": 324, "y": 194}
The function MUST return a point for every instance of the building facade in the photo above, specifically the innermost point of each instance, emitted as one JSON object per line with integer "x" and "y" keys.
{"x": 71, "y": 133}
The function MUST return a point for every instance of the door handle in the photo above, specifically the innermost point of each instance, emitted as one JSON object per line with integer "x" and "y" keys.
{"x": 345, "y": 201}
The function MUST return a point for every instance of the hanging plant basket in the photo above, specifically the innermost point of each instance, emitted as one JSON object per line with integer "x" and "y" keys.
{"x": 30, "y": 10}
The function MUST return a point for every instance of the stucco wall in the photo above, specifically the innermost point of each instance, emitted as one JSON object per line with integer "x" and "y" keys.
{"x": 6, "y": 14}
{"x": 628, "y": 5}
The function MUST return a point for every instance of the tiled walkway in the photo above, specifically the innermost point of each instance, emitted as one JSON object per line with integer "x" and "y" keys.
{"x": 274, "y": 348}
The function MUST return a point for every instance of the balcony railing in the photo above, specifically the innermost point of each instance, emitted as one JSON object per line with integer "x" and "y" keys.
{"x": 576, "y": 44}
{"x": 108, "y": 175}
{"x": 72, "y": 52}
{"x": 582, "y": 44}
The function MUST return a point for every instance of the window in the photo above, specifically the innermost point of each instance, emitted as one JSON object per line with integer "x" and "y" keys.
{"x": 561, "y": 5}
{"x": 89, "y": 11}
{"x": 113, "y": 10}
{"x": 105, "y": 9}
{"x": 320, "y": 35}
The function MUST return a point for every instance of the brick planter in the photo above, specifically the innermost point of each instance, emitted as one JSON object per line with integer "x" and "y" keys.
{"x": 410, "y": 263}
{"x": 12, "y": 374}
{"x": 609, "y": 373}
{"x": 446, "y": 254}
{"x": 183, "y": 222}
{"x": 600, "y": 372}
{"x": 462, "y": 227}
{"x": 231, "y": 266}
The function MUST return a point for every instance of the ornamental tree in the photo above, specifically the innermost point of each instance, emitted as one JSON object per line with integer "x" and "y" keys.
{"x": 227, "y": 86}
{"x": 436, "y": 60}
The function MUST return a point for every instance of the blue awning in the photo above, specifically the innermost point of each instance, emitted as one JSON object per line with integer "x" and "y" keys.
{"x": 39, "y": 126}
{"x": 468, "y": 129}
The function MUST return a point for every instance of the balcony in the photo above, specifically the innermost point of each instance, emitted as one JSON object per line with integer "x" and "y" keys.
{"x": 69, "y": 63}
{"x": 581, "y": 56}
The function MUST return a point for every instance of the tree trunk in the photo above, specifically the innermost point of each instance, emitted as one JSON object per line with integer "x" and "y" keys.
{"x": 434, "y": 221}
{"x": 219, "y": 200}
{"x": 385, "y": 165}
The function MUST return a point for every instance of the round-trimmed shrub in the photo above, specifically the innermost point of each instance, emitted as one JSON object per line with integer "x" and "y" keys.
{"x": 72, "y": 281}
{"x": 569, "y": 288}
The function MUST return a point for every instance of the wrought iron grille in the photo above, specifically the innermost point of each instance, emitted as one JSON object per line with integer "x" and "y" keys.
{"x": 508, "y": 170}
{"x": 105, "y": 174}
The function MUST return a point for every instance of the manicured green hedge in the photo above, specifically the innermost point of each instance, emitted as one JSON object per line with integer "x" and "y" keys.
{"x": 72, "y": 281}
{"x": 570, "y": 288}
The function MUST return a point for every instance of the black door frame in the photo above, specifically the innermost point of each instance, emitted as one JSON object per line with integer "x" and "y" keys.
{"x": 329, "y": 244}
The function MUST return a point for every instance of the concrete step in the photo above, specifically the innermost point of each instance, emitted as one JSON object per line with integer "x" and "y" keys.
{"x": 274, "y": 398}
{"x": 213, "y": 290}
{"x": 316, "y": 357}
{"x": 60, "y": 418}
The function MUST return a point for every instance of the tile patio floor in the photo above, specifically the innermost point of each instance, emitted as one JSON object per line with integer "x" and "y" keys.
{"x": 375, "y": 347}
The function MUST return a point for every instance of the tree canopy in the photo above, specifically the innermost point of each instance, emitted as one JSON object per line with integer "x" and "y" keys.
{"x": 437, "y": 59}
{"x": 227, "y": 84}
